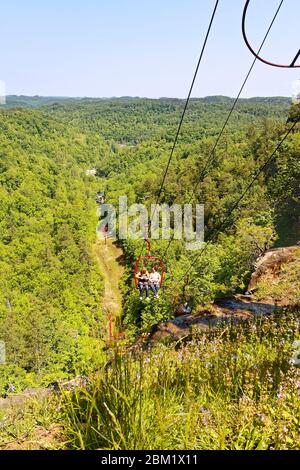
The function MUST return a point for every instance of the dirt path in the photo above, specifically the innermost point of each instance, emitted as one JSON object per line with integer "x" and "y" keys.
{"x": 110, "y": 259}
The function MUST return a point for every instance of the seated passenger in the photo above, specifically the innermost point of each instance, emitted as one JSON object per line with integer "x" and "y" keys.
{"x": 143, "y": 282}
{"x": 154, "y": 280}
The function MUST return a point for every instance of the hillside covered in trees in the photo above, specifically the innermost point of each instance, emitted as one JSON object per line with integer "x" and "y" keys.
{"x": 50, "y": 283}
{"x": 52, "y": 319}
{"x": 140, "y": 134}
{"x": 51, "y": 288}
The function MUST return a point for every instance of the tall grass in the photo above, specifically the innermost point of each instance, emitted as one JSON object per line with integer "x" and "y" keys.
{"x": 235, "y": 388}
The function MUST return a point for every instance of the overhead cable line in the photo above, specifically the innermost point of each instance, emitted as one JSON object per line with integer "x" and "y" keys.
{"x": 224, "y": 223}
{"x": 185, "y": 106}
{"x": 187, "y": 101}
{"x": 211, "y": 156}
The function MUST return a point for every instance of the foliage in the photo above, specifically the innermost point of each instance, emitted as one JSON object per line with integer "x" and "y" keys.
{"x": 33, "y": 425}
{"x": 135, "y": 170}
{"x": 234, "y": 389}
{"x": 50, "y": 284}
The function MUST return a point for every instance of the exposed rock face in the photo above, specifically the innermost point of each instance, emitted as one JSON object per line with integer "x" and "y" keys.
{"x": 38, "y": 393}
{"x": 229, "y": 309}
{"x": 182, "y": 309}
{"x": 21, "y": 398}
{"x": 269, "y": 264}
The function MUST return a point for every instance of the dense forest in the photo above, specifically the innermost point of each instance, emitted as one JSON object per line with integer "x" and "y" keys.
{"x": 51, "y": 288}
{"x": 51, "y": 317}
{"x": 140, "y": 134}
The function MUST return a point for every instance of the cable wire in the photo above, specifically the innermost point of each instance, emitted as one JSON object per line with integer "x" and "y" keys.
{"x": 187, "y": 100}
{"x": 185, "y": 107}
{"x": 211, "y": 156}
{"x": 236, "y": 204}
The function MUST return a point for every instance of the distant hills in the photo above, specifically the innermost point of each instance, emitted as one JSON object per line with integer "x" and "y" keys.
{"x": 21, "y": 101}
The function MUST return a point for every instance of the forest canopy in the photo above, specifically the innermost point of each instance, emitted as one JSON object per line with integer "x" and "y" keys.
{"x": 51, "y": 317}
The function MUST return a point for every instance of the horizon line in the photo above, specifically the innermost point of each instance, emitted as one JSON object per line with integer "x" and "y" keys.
{"x": 141, "y": 97}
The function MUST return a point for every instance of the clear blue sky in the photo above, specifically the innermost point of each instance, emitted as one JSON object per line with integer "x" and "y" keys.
{"x": 142, "y": 47}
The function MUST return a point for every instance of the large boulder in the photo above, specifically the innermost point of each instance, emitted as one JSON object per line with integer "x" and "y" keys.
{"x": 232, "y": 309}
{"x": 269, "y": 264}
{"x": 223, "y": 311}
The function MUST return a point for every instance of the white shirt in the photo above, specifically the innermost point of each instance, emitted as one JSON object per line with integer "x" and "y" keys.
{"x": 155, "y": 277}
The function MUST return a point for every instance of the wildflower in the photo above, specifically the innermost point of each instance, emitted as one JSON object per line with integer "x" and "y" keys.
{"x": 281, "y": 394}
{"x": 297, "y": 384}
{"x": 245, "y": 399}
{"x": 263, "y": 418}
{"x": 295, "y": 360}
{"x": 3, "y": 423}
{"x": 205, "y": 410}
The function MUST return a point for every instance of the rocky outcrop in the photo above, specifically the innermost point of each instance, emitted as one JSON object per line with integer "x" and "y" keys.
{"x": 20, "y": 398}
{"x": 39, "y": 393}
{"x": 270, "y": 263}
{"x": 223, "y": 311}
{"x": 232, "y": 309}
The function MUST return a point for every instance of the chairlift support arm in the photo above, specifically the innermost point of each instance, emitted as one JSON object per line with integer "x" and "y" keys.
{"x": 291, "y": 65}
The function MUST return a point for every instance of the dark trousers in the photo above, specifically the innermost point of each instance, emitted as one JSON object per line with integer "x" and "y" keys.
{"x": 143, "y": 286}
{"x": 154, "y": 288}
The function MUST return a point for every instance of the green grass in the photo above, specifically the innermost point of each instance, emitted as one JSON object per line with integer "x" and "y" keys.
{"x": 33, "y": 425}
{"x": 235, "y": 388}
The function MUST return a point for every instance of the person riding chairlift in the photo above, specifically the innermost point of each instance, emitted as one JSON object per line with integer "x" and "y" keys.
{"x": 143, "y": 282}
{"x": 154, "y": 280}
